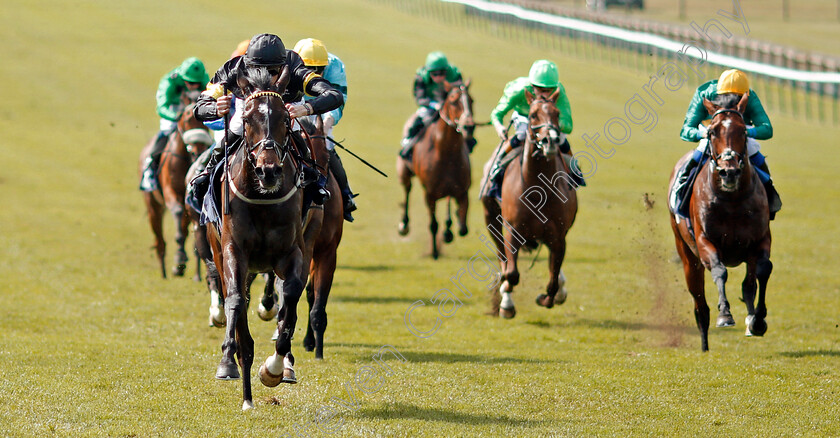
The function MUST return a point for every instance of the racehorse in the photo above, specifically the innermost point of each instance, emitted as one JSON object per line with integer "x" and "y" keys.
{"x": 261, "y": 231}
{"x": 442, "y": 164}
{"x": 189, "y": 140}
{"x": 729, "y": 222}
{"x": 322, "y": 235}
{"x": 540, "y": 162}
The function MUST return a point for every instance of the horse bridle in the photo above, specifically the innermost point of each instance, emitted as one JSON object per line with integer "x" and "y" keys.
{"x": 461, "y": 125}
{"x": 728, "y": 153}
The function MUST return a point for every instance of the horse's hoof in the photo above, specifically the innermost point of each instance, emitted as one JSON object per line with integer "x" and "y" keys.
{"x": 725, "y": 321}
{"x": 179, "y": 270}
{"x": 755, "y": 326}
{"x": 403, "y": 229}
{"x": 507, "y": 313}
{"x": 309, "y": 343}
{"x": 227, "y": 371}
{"x": 217, "y": 316}
{"x": 289, "y": 376}
{"x": 268, "y": 379}
{"x": 269, "y": 314}
{"x": 463, "y": 231}
{"x": 448, "y": 237}
{"x": 561, "y": 296}
{"x": 545, "y": 301}
{"x": 247, "y": 405}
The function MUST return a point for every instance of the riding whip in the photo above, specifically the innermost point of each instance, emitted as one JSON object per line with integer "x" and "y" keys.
{"x": 225, "y": 191}
{"x": 356, "y": 156}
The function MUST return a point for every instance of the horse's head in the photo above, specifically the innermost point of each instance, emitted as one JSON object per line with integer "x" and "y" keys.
{"x": 728, "y": 138}
{"x": 196, "y": 136}
{"x": 544, "y": 122}
{"x": 457, "y": 108}
{"x": 266, "y": 125}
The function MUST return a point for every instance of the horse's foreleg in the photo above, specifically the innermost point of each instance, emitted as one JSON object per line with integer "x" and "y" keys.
{"x": 235, "y": 308}
{"x": 182, "y": 223}
{"x": 757, "y": 325}
{"x": 279, "y": 367}
{"x": 431, "y": 204}
{"x": 322, "y": 278}
{"x": 154, "y": 211}
{"x": 709, "y": 256}
{"x": 463, "y": 206}
{"x": 447, "y": 232}
{"x": 270, "y": 301}
{"x": 510, "y": 277}
{"x": 405, "y": 180}
{"x": 309, "y": 339}
{"x": 695, "y": 280}
{"x": 555, "y": 261}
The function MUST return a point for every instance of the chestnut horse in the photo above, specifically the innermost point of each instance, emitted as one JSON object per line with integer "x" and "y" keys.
{"x": 729, "y": 223}
{"x": 549, "y": 222}
{"x": 262, "y": 231}
{"x": 175, "y": 160}
{"x": 442, "y": 164}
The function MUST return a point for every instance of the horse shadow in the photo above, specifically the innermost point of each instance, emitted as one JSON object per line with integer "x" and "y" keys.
{"x": 434, "y": 356}
{"x": 810, "y": 353}
{"x": 404, "y": 410}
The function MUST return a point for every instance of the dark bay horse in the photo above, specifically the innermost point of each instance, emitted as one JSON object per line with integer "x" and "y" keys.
{"x": 442, "y": 164}
{"x": 524, "y": 187}
{"x": 189, "y": 140}
{"x": 729, "y": 223}
{"x": 261, "y": 233}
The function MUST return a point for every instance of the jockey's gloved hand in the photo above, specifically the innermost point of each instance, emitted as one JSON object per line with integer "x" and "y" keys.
{"x": 703, "y": 131}
{"x": 500, "y": 131}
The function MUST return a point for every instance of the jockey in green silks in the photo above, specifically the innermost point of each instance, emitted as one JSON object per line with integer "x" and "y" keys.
{"x": 543, "y": 79}
{"x": 758, "y": 128}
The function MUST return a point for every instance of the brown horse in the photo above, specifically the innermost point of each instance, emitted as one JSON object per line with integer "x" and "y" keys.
{"x": 729, "y": 223}
{"x": 528, "y": 219}
{"x": 175, "y": 160}
{"x": 441, "y": 161}
{"x": 262, "y": 232}
{"x": 323, "y": 235}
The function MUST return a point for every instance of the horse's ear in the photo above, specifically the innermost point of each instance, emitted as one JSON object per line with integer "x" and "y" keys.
{"x": 244, "y": 84}
{"x": 710, "y": 107}
{"x": 467, "y": 84}
{"x": 285, "y": 76}
{"x": 528, "y": 96}
{"x": 742, "y": 104}
{"x": 554, "y": 95}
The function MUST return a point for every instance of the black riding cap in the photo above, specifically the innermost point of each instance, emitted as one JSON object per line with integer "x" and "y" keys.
{"x": 265, "y": 50}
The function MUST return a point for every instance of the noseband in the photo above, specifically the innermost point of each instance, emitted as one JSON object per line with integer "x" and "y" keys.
{"x": 728, "y": 153}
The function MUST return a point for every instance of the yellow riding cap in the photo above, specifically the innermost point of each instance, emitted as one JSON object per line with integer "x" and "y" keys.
{"x": 313, "y": 52}
{"x": 733, "y": 81}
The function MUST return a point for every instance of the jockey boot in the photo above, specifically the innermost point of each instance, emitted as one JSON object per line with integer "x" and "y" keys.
{"x": 337, "y": 169}
{"x": 681, "y": 192}
{"x": 773, "y": 199}
{"x": 410, "y": 138}
{"x": 148, "y": 182}
{"x": 201, "y": 182}
{"x": 572, "y": 164}
{"x": 471, "y": 142}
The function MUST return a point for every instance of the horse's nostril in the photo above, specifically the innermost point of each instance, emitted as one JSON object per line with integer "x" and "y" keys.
{"x": 259, "y": 171}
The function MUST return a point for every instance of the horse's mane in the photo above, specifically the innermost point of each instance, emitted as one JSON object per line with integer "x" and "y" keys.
{"x": 259, "y": 79}
{"x": 727, "y": 100}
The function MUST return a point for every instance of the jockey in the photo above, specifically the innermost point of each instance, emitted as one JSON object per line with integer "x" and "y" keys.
{"x": 429, "y": 93}
{"x": 266, "y": 51}
{"x": 189, "y": 76}
{"x": 758, "y": 128}
{"x": 543, "y": 79}
{"x": 315, "y": 56}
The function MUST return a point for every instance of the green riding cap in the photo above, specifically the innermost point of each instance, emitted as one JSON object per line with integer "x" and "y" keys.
{"x": 544, "y": 74}
{"x": 192, "y": 70}
{"x": 436, "y": 61}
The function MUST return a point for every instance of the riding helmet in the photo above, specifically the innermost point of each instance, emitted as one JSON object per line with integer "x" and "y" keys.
{"x": 733, "y": 81}
{"x": 313, "y": 52}
{"x": 265, "y": 50}
{"x": 436, "y": 61}
{"x": 544, "y": 74}
{"x": 192, "y": 70}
